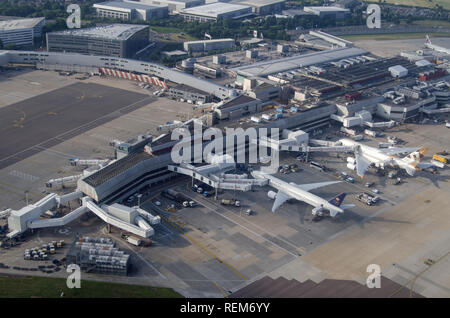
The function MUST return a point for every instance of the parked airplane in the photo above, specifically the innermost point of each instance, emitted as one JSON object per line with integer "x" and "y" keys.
{"x": 287, "y": 191}
{"x": 428, "y": 44}
{"x": 366, "y": 156}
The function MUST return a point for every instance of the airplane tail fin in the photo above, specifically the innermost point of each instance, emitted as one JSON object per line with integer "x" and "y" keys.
{"x": 411, "y": 162}
{"x": 337, "y": 200}
{"x": 427, "y": 41}
{"x": 416, "y": 156}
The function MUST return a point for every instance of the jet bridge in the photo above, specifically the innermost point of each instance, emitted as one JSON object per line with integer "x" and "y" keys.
{"x": 275, "y": 144}
{"x": 133, "y": 220}
{"x": 142, "y": 229}
{"x": 214, "y": 175}
{"x": 435, "y": 111}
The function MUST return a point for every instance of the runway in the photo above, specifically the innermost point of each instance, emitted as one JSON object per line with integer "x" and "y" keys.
{"x": 35, "y": 124}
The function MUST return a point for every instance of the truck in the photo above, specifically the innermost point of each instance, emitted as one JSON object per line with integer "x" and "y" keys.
{"x": 392, "y": 174}
{"x": 440, "y": 158}
{"x": 385, "y": 145}
{"x": 197, "y": 188}
{"x": 230, "y": 202}
{"x": 350, "y": 179}
{"x": 134, "y": 240}
{"x": 371, "y": 133}
{"x": 367, "y": 198}
{"x": 188, "y": 204}
{"x": 175, "y": 196}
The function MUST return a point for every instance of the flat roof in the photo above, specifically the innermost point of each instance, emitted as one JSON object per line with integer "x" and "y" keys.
{"x": 290, "y": 63}
{"x": 209, "y": 41}
{"x": 19, "y": 23}
{"x": 184, "y": 87}
{"x": 127, "y": 5}
{"x": 214, "y": 9}
{"x": 110, "y": 31}
{"x": 260, "y": 3}
{"x": 242, "y": 99}
{"x": 325, "y": 9}
{"x": 174, "y": 1}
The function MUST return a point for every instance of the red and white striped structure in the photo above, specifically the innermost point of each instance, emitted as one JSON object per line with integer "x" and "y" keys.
{"x": 152, "y": 80}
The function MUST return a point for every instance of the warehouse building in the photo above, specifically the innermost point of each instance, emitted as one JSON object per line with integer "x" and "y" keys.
{"x": 338, "y": 13}
{"x": 294, "y": 62}
{"x": 119, "y": 40}
{"x": 21, "y": 32}
{"x": 215, "y": 11}
{"x": 209, "y": 45}
{"x": 130, "y": 10}
{"x": 237, "y": 107}
{"x": 175, "y": 5}
{"x": 182, "y": 91}
{"x": 264, "y": 7}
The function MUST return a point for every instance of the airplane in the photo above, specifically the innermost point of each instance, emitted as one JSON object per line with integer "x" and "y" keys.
{"x": 365, "y": 156}
{"x": 287, "y": 191}
{"x": 429, "y": 45}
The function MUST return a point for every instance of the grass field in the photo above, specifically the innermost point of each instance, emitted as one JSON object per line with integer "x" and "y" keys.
{"x": 165, "y": 29}
{"x": 419, "y": 3}
{"x": 393, "y": 36}
{"x": 26, "y": 287}
{"x": 435, "y": 23}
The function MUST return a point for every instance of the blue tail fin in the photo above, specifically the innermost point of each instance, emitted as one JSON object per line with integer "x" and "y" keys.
{"x": 337, "y": 200}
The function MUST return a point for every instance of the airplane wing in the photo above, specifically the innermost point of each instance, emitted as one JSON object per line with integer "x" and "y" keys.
{"x": 425, "y": 165}
{"x": 362, "y": 164}
{"x": 396, "y": 151}
{"x": 280, "y": 199}
{"x": 312, "y": 186}
{"x": 333, "y": 212}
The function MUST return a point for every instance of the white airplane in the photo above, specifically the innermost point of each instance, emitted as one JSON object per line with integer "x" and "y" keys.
{"x": 428, "y": 44}
{"x": 287, "y": 191}
{"x": 365, "y": 156}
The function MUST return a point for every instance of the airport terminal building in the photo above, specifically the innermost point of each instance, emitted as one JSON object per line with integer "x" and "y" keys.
{"x": 118, "y": 40}
{"x": 21, "y": 32}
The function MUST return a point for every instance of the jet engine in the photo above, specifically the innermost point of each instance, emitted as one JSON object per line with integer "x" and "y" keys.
{"x": 318, "y": 211}
{"x": 272, "y": 195}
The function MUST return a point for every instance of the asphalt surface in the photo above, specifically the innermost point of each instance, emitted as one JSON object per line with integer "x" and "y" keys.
{"x": 32, "y": 125}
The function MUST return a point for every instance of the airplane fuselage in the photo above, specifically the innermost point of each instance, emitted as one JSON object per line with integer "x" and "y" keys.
{"x": 300, "y": 194}
{"x": 371, "y": 153}
{"x": 438, "y": 48}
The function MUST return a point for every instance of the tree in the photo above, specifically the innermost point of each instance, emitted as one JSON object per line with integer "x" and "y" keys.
{"x": 10, "y": 46}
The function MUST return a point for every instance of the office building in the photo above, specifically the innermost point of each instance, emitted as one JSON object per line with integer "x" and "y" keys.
{"x": 130, "y": 10}
{"x": 21, "y": 32}
{"x": 215, "y": 11}
{"x": 120, "y": 40}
